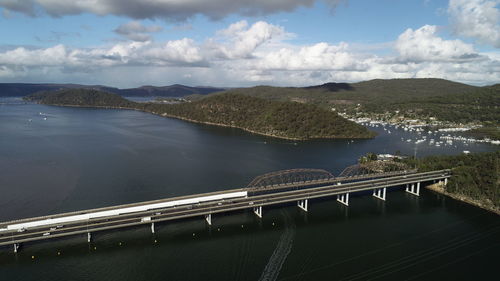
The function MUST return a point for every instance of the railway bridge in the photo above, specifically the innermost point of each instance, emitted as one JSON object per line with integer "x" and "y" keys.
{"x": 283, "y": 187}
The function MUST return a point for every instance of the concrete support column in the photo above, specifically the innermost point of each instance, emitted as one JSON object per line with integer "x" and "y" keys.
{"x": 415, "y": 190}
{"x": 379, "y": 193}
{"x": 302, "y": 204}
{"x": 89, "y": 237}
{"x": 445, "y": 181}
{"x": 343, "y": 198}
{"x": 152, "y": 227}
{"x": 208, "y": 218}
{"x": 16, "y": 247}
{"x": 258, "y": 211}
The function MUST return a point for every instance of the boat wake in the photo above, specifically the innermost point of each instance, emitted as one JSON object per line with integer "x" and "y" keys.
{"x": 283, "y": 248}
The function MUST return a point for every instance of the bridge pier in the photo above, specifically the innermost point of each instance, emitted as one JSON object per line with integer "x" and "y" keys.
{"x": 412, "y": 189}
{"x": 302, "y": 204}
{"x": 343, "y": 198}
{"x": 208, "y": 218}
{"x": 379, "y": 193}
{"x": 16, "y": 247}
{"x": 445, "y": 181}
{"x": 89, "y": 237}
{"x": 152, "y": 227}
{"x": 258, "y": 211}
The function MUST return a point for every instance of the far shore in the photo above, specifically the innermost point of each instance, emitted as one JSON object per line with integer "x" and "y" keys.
{"x": 206, "y": 123}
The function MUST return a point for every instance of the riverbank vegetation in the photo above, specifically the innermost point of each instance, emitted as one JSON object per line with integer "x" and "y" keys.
{"x": 476, "y": 176}
{"x": 431, "y": 101}
{"x": 288, "y": 120}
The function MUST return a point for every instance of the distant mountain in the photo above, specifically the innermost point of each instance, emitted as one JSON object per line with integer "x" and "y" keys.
{"x": 391, "y": 89}
{"x": 380, "y": 90}
{"x": 408, "y": 88}
{"x": 393, "y": 98}
{"x": 24, "y": 89}
{"x": 332, "y": 87}
{"x": 175, "y": 90}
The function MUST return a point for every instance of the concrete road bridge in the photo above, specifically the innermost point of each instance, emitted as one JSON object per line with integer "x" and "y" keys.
{"x": 283, "y": 187}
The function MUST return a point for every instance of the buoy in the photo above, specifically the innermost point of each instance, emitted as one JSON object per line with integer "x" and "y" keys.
{"x": 241, "y": 226}
{"x": 155, "y": 241}
{"x": 193, "y": 234}
{"x": 32, "y": 257}
{"x": 120, "y": 243}
{"x": 58, "y": 253}
{"x": 95, "y": 248}
{"x": 273, "y": 223}
{"x": 218, "y": 229}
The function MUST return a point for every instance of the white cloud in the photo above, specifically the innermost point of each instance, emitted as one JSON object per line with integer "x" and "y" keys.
{"x": 424, "y": 44}
{"x": 240, "y": 41}
{"x": 172, "y": 53}
{"x": 479, "y": 19}
{"x": 174, "y": 10}
{"x": 246, "y": 54}
{"x": 177, "y": 52}
{"x": 321, "y": 56}
{"x": 53, "y": 56}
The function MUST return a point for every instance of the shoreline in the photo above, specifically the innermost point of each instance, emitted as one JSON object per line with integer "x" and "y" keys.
{"x": 209, "y": 123}
{"x": 439, "y": 188}
{"x": 443, "y": 126}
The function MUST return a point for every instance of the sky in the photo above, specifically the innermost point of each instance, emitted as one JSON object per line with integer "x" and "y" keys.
{"x": 240, "y": 43}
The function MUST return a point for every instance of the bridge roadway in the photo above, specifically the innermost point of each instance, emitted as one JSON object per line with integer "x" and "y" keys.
{"x": 255, "y": 199}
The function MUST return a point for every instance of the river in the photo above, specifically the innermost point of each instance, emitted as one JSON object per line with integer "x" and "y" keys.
{"x": 57, "y": 159}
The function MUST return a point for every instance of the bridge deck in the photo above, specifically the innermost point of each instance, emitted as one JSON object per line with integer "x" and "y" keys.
{"x": 280, "y": 194}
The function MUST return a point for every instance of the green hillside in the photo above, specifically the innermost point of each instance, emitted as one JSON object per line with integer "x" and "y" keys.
{"x": 475, "y": 176}
{"x": 412, "y": 98}
{"x": 80, "y": 97}
{"x": 279, "y": 119}
{"x": 378, "y": 90}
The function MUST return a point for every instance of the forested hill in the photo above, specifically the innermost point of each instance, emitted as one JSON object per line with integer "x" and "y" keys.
{"x": 476, "y": 177}
{"x": 411, "y": 98}
{"x": 176, "y": 90}
{"x": 281, "y": 119}
{"x": 377, "y": 90}
{"x": 80, "y": 97}
{"x": 278, "y": 119}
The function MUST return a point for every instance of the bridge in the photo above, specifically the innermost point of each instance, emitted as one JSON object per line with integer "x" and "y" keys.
{"x": 283, "y": 187}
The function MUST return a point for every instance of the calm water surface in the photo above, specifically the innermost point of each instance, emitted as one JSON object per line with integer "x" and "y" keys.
{"x": 84, "y": 158}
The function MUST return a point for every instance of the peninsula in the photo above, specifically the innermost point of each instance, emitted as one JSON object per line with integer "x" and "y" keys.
{"x": 286, "y": 120}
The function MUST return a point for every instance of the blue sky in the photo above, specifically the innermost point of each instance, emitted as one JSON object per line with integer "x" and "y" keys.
{"x": 127, "y": 43}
